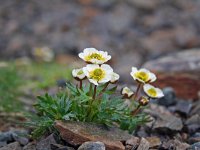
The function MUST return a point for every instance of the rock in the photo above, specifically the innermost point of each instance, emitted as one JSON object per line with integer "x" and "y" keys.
{"x": 143, "y": 4}
{"x": 165, "y": 122}
{"x": 169, "y": 97}
{"x": 154, "y": 142}
{"x": 178, "y": 69}
{"x": 76, "y": 133}
{"x": 22, "y": 140}
{"x": 142, "y": 132}
{"x": 183, "y": 107}
{"x": 30, "y": 146}
{"x": 12, "y": 146}
{"x": 193, "y": 128}
{"x": 45, "y": 144}
{"x": 60, "y": 147}
{"x": 196, "y": 108}
{"x": 193, "y": 123}
{"x": 61, "y": 83}
{"x": 92, "y": 146}
{"x": 195, "y": 119}
{"x": 133, "y": 143}
{"x": 195, "y": 146}
{"x": 3, "y": 144}
{"x": 6, "y": 136}
{"x": 104, "y": 3}
{"x": 195, "y": 138}
{"x": 144, "y": 144}
{"x": 175, "y": 144}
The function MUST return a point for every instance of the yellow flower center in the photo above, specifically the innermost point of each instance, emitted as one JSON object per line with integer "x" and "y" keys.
{"x": 94, "y": 56}
{"x": 80, "y": 72}
{"x": 127, "y": 91}
{"x": 142, "y": 76}
{"x": 152, "y": 92}
{"x": 97, "y": 74}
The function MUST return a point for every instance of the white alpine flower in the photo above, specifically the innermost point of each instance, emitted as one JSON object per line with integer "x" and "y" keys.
{"x": 94, "y": 56}
{"x": 78, "y": 74}
{"x": 127, "y": 93}
{"x": 98, "y": 74}
{"x": 142, "y": 75}
{"x": 153, "y": 92}
{"x": 114, "y": 78}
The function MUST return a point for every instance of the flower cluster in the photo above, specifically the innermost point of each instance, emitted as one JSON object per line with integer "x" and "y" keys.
{"x": 96, "y": 70}
{"x": 143, "y": 77}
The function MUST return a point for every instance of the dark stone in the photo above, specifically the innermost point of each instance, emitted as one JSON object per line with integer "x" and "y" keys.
{"x": 193, "y": 123}
{"x": 142, "y": 132}
{"x": 45, "y": 144}
{"x": 92, "y": 146}
{"x": 3, "y": 144}
{"x": 195, "y": 146}
{"x": 12, "y": 146}
{"x": 60, "y": 147}
{"x": 195, "y": 138}
{"x": 30, "y": 146}
{"x": 169, "y": 98}
{"x": 193, "y": 128}
{"x": 165, "y": 121}
{"x": 183, "y": 107}
{"x": 6, "y": 136}
{"x": 22, "y": 140}
{"x": 61, "y": 83}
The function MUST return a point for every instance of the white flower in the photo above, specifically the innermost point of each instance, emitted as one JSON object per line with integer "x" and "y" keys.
{"x": 153, "y": 92}
{"x": 127, "y": 93}
{"x": 114, "y": 78}
{"x": 78, "y": 74}
{"x": 92, "y": 55}
{"x": 142, "y": 75}
{"x": 98, "y": 74}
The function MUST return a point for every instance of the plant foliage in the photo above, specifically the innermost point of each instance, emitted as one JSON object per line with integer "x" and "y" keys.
{"x": 78, "y": 105}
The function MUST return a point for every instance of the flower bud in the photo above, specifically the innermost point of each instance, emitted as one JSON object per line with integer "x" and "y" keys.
{"x": 78, "y": 74}
{"x": 143, "y": 101}
{"x": 127, "y": 93}
{"x": 114, "y": 78}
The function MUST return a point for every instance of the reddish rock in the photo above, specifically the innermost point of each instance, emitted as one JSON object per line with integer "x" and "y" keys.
{"x": 180, "y": 71}
{"x": 76, "y": 133}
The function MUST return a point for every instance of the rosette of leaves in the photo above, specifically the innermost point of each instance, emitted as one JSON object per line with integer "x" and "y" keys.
{"x": 77, "y": 104}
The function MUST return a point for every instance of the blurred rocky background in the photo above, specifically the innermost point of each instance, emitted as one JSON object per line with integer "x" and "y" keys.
{"x": 133, "y": 31}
